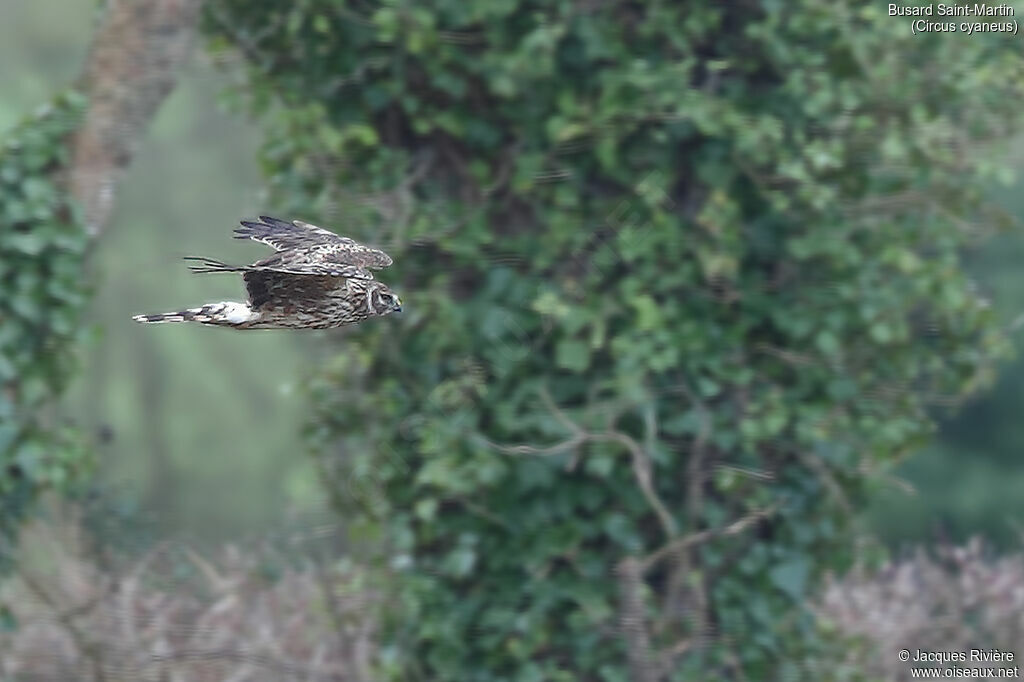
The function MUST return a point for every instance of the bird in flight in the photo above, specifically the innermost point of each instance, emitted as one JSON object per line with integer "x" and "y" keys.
{"x": 315, "y": 280}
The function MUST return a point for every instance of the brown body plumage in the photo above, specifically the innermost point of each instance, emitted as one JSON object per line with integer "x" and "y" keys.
{"x": 315, "y": 280}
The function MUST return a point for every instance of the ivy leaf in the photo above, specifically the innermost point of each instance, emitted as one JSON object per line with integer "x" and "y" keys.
{"x": 572, "y": 355}
{"x": 791, "y": 576}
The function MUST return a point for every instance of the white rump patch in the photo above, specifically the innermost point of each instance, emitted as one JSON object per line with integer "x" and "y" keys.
{"x": 237, "y": 313}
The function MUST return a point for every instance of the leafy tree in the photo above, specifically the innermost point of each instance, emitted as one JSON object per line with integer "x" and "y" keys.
{"x": 678, "y": 278}
{"x": 964, "y": 483}
{"x": 58, "y": 170}
{"x": 42, "y": 244}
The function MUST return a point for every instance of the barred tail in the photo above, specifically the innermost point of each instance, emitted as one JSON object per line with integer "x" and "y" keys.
{"x": 228, "y": 313}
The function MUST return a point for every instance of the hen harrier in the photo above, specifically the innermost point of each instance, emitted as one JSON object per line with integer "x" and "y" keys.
{"x": 316, "y": 280}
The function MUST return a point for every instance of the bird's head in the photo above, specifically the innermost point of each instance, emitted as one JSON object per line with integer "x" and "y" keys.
{"x": 383, "y": 300}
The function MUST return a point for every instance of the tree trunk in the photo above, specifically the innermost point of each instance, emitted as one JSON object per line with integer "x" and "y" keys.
{"x": 132, "y": 66}
{"x": 633, "y": 621}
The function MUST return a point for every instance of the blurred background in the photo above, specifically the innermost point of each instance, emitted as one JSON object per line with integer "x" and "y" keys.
{"x": 196, "y": 431}
{"x": 195, "y": 176}
{"x": 175, "y": 459}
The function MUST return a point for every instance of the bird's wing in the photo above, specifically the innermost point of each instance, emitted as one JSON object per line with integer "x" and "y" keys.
{"x": 285, "y": 262}
{"x": 276, "y": 289}
{"x": 310, "y": 248}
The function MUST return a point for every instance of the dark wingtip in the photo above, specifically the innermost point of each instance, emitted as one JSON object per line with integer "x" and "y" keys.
{"x": 276, "y": 222}
{"x": 210, "y": 265}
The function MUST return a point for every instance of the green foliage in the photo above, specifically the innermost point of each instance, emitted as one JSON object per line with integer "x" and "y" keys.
{"x": 42, "y": 246}
{"x": 965, "y": 483}
{"x": 665, "y": 266}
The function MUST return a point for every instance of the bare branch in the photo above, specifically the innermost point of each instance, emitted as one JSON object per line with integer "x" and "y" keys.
{"x": 734, "y": 528}
{"x": 746, "y": 471}
{"x": 819, "y": 468}
{"x": 789, "y": 357}
{"x": 579, "y": 436}
{"x": 484, "y": 513}
{"x": 642, "y": 465}
{"x": 668, "y": 657}
{"x": 88, "y": 647}
{"x": 642, "y": 471}
{"x": 556, "y": 449}
{"x": 570, "y": 426}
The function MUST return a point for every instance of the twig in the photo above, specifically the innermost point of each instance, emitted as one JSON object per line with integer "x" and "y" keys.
{"x": 560, "y": 415}
{"x": 668, "y": 657}
{"x": 734, "y": 528}
{"x": 819, "y": 468}
{"x": 89, "y": 648}
{"x": 789, "y": 357}
{"x": 642, "y": 472}
{"x": 642, "y": 467}
{"x": 484, "y": 513}
{"x": 640, "y": 459}
{"x": 579, "y": 436}
{"x": 546, "y": 451}
{"x": 745, "y": 471}
{"x": 217, "y": 582}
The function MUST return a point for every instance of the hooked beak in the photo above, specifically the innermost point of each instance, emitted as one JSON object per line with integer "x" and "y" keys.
{"x": 398, "y": 305}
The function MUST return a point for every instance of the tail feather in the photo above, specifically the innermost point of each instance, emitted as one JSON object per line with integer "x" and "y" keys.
{"x": 227, "y": 313}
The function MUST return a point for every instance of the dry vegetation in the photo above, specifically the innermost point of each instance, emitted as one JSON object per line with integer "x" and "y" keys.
{"x": 951, "y": 599}
{"x": 173, "y": 615}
